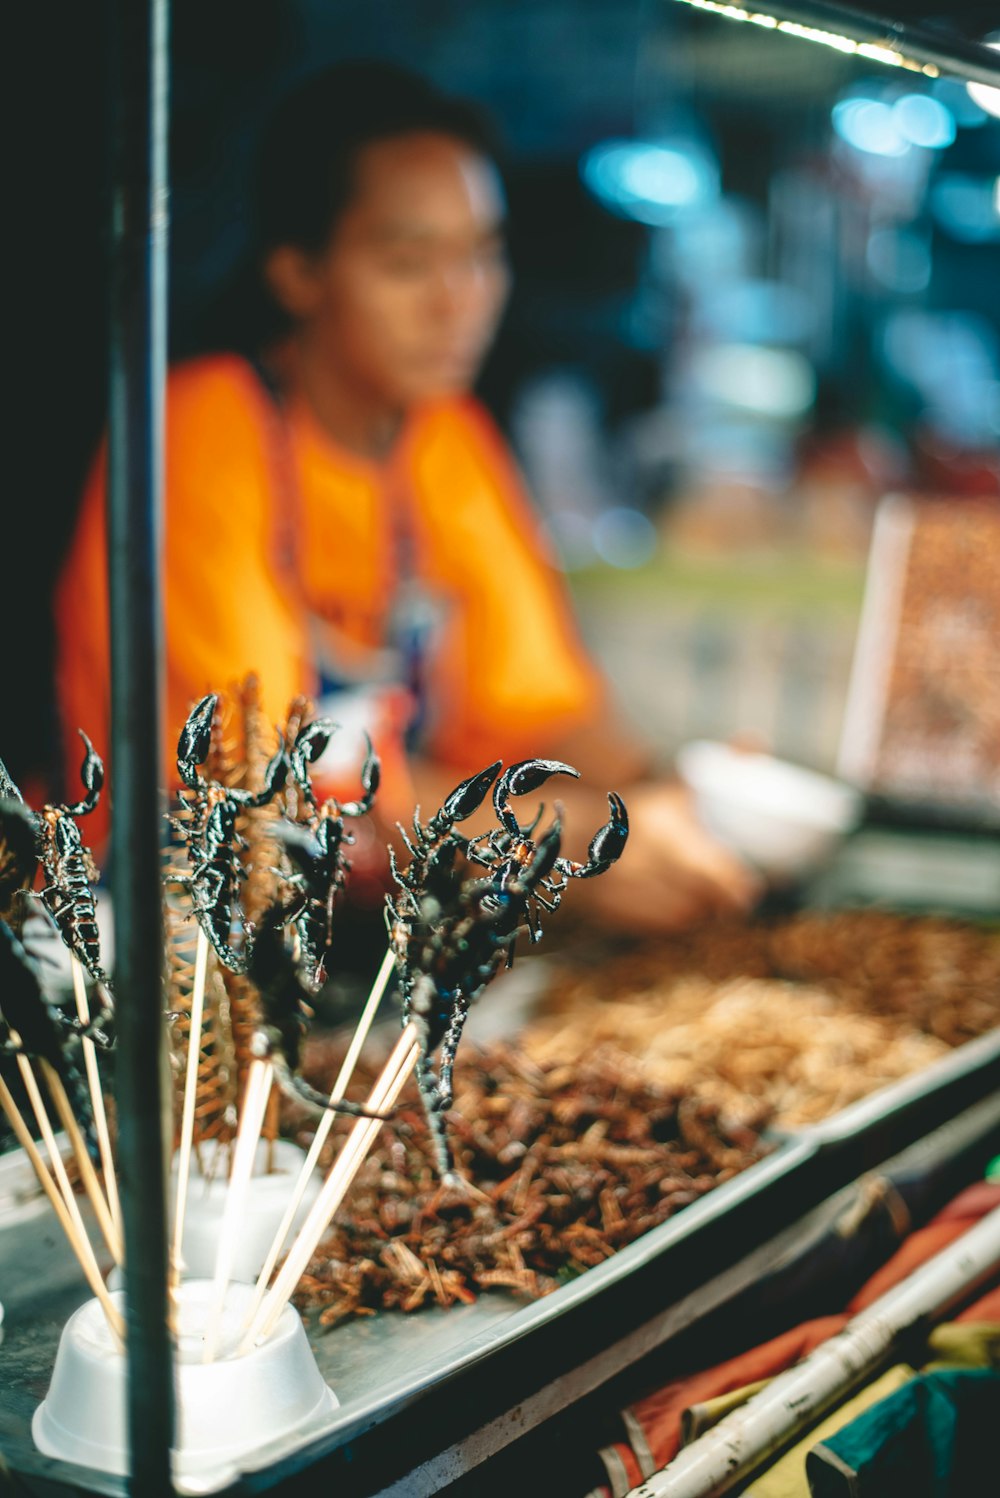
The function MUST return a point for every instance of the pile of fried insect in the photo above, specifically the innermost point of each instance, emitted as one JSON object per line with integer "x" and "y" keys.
{"x": 456, "y": 913}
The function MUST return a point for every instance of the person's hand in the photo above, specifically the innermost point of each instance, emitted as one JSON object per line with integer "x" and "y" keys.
{"x": 672, "y": 873}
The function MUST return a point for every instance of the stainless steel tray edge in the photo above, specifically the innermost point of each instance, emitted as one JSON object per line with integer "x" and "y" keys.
{"x": 920, "y": 1087}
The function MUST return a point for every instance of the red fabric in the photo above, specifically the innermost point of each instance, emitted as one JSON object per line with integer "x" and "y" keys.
{"x": 659, "y": 1414}
{"x": 950, "y": 1223}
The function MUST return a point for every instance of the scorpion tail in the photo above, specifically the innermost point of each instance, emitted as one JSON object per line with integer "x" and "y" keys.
{"x": 299, "y": 1090}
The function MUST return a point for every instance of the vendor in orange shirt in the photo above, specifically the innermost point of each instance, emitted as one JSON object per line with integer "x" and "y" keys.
{"x": 341, "y": 513}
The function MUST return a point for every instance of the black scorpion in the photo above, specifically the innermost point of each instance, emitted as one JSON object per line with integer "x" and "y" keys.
{"x": 210, "y": 834}
{"x": 450, "y": 935}
{"x": 506, "y": 849}
{"x": 319, "y": 856}
{"x": 68, "y": 865}
{"x": 285, "y": 1013}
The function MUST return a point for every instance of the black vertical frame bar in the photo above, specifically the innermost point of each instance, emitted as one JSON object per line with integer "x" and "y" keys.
{"x": 138, "y": 34}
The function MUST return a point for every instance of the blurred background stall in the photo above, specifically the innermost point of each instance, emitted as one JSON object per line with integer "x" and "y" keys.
{"x": 755, "y": 291}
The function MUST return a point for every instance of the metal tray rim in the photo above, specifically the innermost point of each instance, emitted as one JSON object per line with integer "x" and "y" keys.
{"x": 851, "y": 1121}
{"x": 520, "y": 1323}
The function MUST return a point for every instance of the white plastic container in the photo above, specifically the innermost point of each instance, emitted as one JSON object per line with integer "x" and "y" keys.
{"x": 785, "y": 820}
{"x": 267, "y": 1198}
{"x": 228, "y": 1410}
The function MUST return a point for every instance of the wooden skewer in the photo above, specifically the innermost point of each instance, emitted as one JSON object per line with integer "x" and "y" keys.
{"x": 345, "y": 1168}
{"x": 70, "y": 1216}
{"x": 97, "y": 1098}
{"x": 88, "y": 1174}
{"x": 340, "y": 1086}
{"x": 255, "y": 1098}
{"x": 190, "y": 1098}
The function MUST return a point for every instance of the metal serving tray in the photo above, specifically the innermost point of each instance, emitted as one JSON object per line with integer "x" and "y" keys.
{"x": 412, "y": 1386}
{"x": 489, "y": 1354}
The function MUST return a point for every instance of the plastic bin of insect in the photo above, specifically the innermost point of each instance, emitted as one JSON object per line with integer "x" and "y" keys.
{"x": 246, "y": 1379}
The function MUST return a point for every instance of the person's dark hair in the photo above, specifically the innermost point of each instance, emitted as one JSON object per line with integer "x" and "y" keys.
{"x": 309, "y": 148}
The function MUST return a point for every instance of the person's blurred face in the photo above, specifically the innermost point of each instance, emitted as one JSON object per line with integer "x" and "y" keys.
{"x": 406, "y": 297}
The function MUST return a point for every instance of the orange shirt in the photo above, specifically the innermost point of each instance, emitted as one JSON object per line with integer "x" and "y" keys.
{"x": 282, "y": 550}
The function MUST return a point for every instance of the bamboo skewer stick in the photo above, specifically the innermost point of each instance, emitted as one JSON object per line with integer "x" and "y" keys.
{"x": 345, "y": 1168}
{"x": 340, "y": 1086}
{"x": 88, "y": 1174}
{"x": 78, "y": 1240}
{"x": 49, "y": 1139}
{"x": 78, "y": 1236}
{"x": 255, "y": 1098}
{"x": 97, "y": 1098}
{"x": 190, "y": 1098}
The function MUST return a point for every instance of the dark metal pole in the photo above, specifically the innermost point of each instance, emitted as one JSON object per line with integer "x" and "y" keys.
{"x": 139, "y": 68}
{"x": 916, "y": 43}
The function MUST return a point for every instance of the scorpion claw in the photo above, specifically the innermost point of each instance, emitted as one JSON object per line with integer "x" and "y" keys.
{"x": 517, "y": 780}
{"x": 195, "y": 740}
{"x": 312, "y": 739}
{"x": 275, "y": 775}
{"x": 469, "y": 794}
{"x": 607, "y": 844}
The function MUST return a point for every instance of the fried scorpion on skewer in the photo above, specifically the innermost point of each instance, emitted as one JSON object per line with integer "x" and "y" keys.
{"x": 210, "y": 834}
{"x": 319, "y": 855}
{"x": 68, "y": 866}
{"x": 32, "y": 1026}
{"x": 285, "y": 1013}
{"x": 451, "y": 934}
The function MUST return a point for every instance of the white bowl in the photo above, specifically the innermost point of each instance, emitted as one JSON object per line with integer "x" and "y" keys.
{"x": 783, "y": 819}
{"x": 267, "y": 1198}
{"x": 227, "y": 1410}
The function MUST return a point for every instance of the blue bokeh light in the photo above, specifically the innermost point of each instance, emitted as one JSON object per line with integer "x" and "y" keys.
{"x": 924, "y": 121}
{"x": 650, "y": 182}
{"x": 869, "y": 125}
